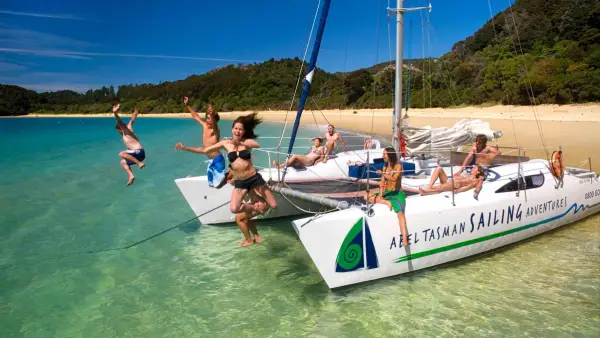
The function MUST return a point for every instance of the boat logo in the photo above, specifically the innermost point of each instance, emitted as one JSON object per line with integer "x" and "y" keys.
{"x": 357, "y": 244}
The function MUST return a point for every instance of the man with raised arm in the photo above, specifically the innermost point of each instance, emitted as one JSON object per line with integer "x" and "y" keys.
{"x": 332, "y": 137}
{"x": 135, "y": 152}
{"x": 210, "y": 136}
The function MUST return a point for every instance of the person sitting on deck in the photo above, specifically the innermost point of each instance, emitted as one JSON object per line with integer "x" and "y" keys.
{"x": 390, "y": 190}
{"x": 458, "y": 182}
{"x": 481, "y": 154}
{"x": 332, "y": 137}
{"x": 316, "y": 151}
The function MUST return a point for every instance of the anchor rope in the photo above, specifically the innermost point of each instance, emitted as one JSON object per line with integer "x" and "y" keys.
{"x": 136, "y": 243}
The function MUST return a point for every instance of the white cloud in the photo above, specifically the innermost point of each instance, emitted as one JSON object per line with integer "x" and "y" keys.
{"x": 42, "y": 15}
{"x": 28, "y": 39}
{"x": 11, "y": 67}
{"x": 75, "y": 54}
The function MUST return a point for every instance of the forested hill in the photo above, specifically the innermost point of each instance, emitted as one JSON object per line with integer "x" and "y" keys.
{"x": 553, "y": 55}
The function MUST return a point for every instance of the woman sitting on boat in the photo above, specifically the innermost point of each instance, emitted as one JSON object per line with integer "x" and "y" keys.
{"x": 316, "y": 151}
{"x": 390, "y": 190}
{"x": 458, "y": 182}
{"x": 246, "y": 178}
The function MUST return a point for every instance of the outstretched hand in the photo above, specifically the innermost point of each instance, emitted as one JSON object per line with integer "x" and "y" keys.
{"x": 135, "y": 112}
{"x": 116, "y": 107}
{"x": 185, "y": 100}
{"x": 179, "y": 145}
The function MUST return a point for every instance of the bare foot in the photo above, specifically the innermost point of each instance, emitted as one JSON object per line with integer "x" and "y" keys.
{"x": 130, "y": 181}
{"x": 246, "y": 243}
{"x": 257, "y": 239}
{"x": 142, "y": 165}
{"x": 421, "y": 191}
{"x": 275, "y": 164}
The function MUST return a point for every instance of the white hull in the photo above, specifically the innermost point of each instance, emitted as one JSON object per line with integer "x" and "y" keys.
{"x": 344, "y": 256}
{"x": 213, "y": 204}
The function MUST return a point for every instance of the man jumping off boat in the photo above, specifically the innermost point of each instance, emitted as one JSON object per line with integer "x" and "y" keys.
{"x": 331, "y": 145}
{"x": 458, "y": 182}
{"x": 390, "y": 191}
{"x": 210, "y": 136}
{"x": 135, "y": 153}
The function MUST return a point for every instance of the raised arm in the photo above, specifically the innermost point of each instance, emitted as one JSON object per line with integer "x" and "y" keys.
{"x": 115, "y": 108}
{"x": 194, "y": 113}
{"x": 200, "y": 150}
{"x": 133, "y": 116}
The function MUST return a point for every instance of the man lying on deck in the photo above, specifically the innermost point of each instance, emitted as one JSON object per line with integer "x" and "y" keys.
{"x": 458, "y": 182}
{"x": 481, "y": 154}
{"x": 316, "y": 152}
{"x": 210, "y": 136}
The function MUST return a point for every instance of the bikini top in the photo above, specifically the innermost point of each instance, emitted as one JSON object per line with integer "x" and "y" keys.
{"x": 243, "y": 154}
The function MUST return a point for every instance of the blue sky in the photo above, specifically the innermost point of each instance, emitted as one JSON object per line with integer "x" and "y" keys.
{"x": 53, "y": 45}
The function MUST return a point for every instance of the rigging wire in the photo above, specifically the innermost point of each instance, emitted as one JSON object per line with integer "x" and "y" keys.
{"x": 529, "y": 86}
{"x": 502, "y": 74}
{"x": 299, "y": 76}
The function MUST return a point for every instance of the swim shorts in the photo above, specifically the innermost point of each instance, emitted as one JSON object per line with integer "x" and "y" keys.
{"x": 397, "y": 198}
{"x": 216, "y": 170}
{"x": 251, "y": 182}
{"x": 138, "y": 154}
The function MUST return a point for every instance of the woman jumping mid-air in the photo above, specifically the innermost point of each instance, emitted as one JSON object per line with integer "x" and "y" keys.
{"x": 247, "y": 181}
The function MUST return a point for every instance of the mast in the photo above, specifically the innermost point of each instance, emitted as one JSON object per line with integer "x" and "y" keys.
{"x": 309, "y": 74}
{"x": 399, "y": 12}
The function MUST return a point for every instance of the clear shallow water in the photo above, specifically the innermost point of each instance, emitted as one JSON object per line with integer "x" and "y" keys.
{"x": 62, "y": 191}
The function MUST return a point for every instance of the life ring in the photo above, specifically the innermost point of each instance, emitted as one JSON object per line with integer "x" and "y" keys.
{"x": 556, "y": 164}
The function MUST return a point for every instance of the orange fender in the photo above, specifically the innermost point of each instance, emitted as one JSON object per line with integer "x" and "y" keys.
{"x": 556, "y": 164}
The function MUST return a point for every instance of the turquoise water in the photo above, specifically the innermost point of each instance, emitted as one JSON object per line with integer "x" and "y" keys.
{"x": 62, "y": 191}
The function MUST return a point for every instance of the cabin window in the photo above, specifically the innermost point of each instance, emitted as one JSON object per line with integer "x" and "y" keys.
{"x": 527, "y": 182}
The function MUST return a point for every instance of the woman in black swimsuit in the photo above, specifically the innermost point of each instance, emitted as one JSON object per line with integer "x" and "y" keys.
{"x": 246, "y": 179}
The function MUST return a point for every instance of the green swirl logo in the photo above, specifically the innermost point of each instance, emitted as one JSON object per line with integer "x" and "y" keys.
{"x": 352, "y": 255}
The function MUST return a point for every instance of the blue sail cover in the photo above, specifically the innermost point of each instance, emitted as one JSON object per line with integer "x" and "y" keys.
{"x": 310, "y": 72}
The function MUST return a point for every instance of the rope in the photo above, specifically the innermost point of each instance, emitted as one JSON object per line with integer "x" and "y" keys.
{"x": 138, "y": 242}
{"x": 502, "y": 74}
{"x": 299, "y": 75}
{"x": 530, "y": 92}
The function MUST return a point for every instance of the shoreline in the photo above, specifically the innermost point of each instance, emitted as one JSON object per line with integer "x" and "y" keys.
{"x": 557, "y": 113}
{"x": 572, "y": 127}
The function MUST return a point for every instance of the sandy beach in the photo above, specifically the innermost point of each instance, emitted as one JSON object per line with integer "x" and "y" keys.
{"x": 574, "y": 127}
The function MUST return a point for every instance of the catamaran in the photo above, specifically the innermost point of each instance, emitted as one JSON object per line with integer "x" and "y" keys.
{"x": 355, "y": 242}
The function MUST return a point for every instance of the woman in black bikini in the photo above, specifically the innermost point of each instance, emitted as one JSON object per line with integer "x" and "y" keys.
{"x": 247, "y": 180}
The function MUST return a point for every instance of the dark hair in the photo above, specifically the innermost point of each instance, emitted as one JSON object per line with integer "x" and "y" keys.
{"x": 481, "y": 139}
{"x": 392, "y": 156}
{"x": 318, "y": 138}
{"x": 249, "y": 122}
{"x": 480, "y": 172}
{"x": 215, "y": 116}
